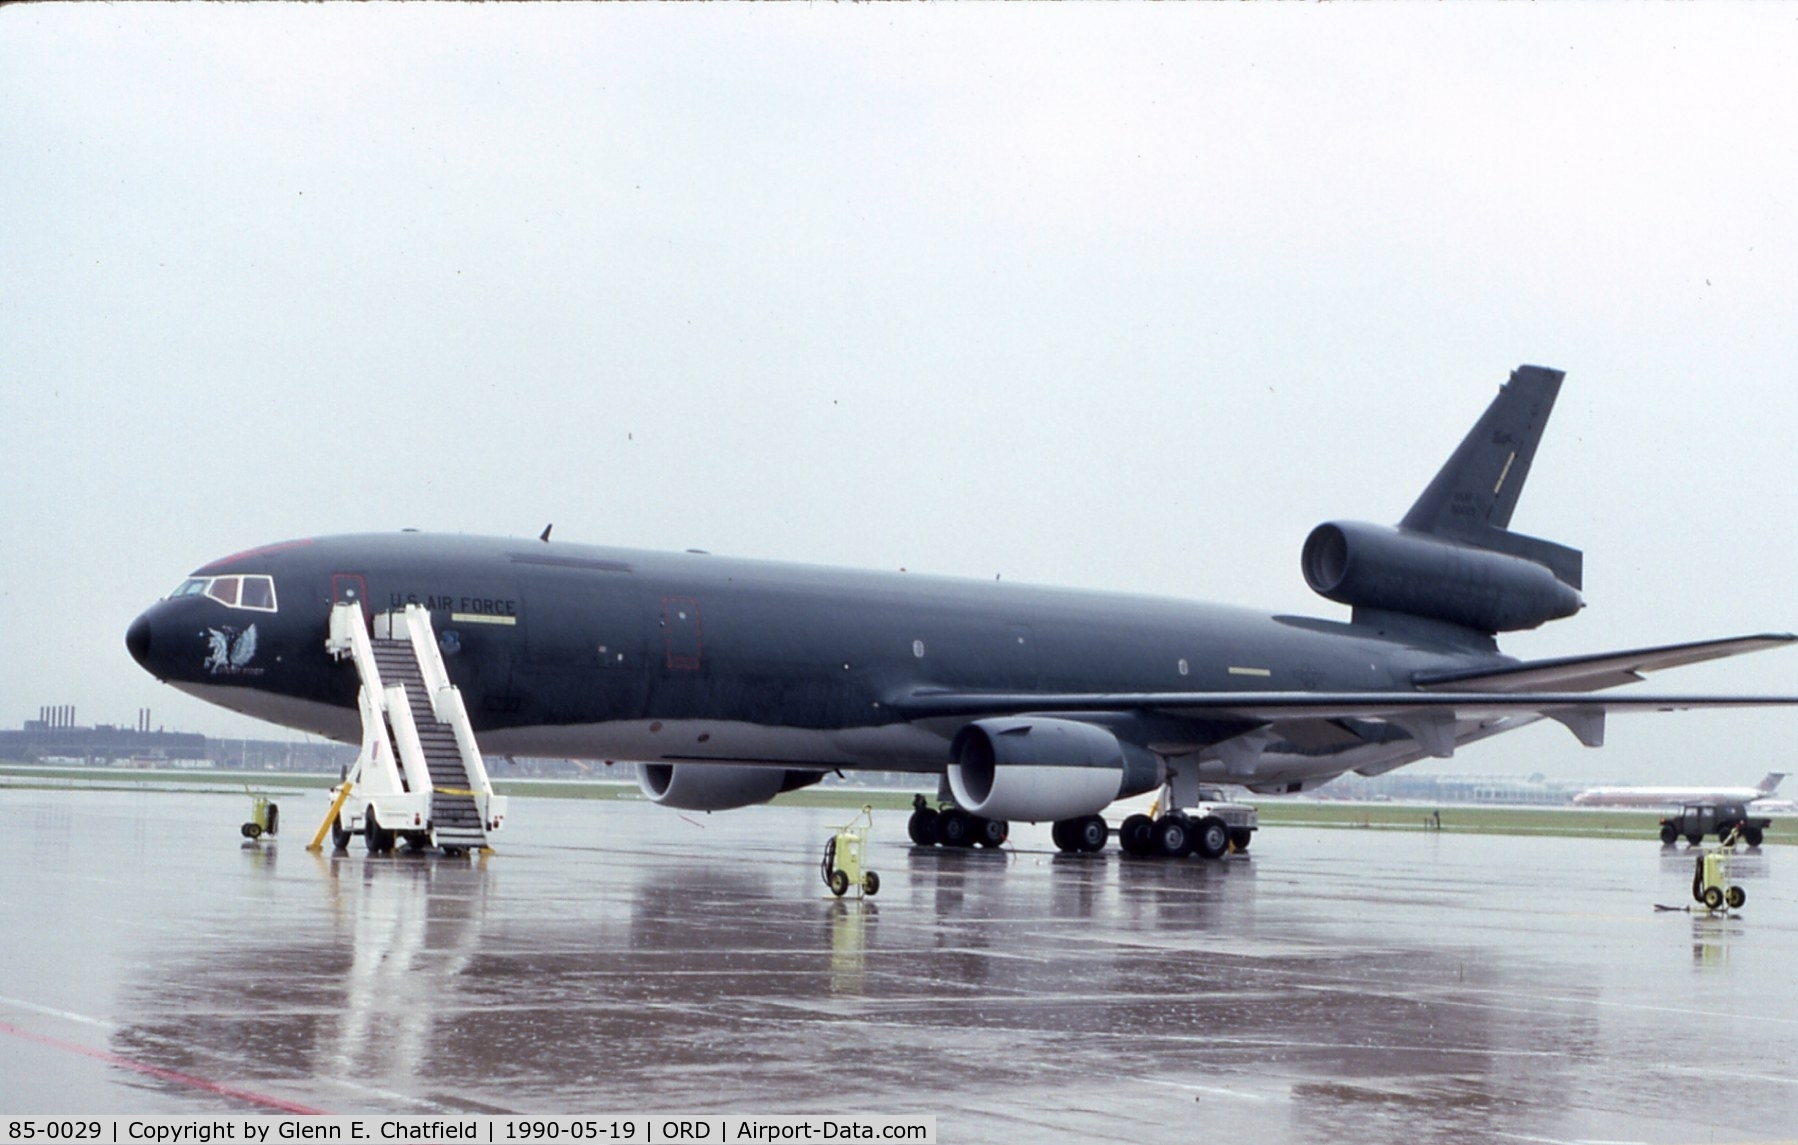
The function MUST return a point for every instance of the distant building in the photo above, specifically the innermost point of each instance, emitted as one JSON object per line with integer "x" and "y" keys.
{"x": 1508, "y": 790}
{"x": 54, "y": 739}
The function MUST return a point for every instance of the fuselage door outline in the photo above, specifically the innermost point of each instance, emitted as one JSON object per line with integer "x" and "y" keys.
{"x": 351, "y": 587}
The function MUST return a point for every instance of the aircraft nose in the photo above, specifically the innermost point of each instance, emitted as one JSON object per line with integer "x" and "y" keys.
{"x": 137, "y": 640}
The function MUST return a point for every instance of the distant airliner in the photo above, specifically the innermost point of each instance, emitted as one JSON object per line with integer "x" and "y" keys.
{"x": 736, "y": 680}
{"x": 1677, "y": 796}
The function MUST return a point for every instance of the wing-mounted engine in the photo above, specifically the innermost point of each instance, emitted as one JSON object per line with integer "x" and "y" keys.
{"x": 1458, "y": 581}
{"x": 1042, "y": 768}
{"x": 1453, "y": 558}
{"x": 717, "y": 787}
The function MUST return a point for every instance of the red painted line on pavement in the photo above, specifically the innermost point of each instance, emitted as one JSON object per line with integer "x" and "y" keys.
{"x": 176, "y": 1076}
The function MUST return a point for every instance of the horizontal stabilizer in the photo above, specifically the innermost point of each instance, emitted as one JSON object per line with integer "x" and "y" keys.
{"x": 1600, "y": 670}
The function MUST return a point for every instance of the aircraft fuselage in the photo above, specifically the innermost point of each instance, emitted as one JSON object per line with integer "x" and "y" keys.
{"x": 596, "y": 653}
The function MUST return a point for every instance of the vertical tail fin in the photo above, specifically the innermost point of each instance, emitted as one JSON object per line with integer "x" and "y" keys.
{"x": 1771, "y": 784}
{"x": 1473, "y": 495}
{"x": 1478, "y": 487}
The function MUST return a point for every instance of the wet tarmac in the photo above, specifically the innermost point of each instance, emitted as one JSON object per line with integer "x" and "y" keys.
{"x": 1338, "y": 985}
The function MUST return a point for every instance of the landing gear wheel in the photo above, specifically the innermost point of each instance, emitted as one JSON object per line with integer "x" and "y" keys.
{"x": 340, "y": 836}
{"x": 839, "y": 883}
{"x": 1241, "y": 837}
{"x": 1212, "y": 838}
{"x": 377, "y": 838}
{"x": 1174, "y": 836}
{"x": 1668, "y": 835}
{"x": 1735, "y": 898}
{"x": 924, "y": 827}
{"x": 955, "y": 828}
{"x": 1713, "y": 897}
{"x": 1089, "y": 834}
{"x": 870, "y": 883}
{"x": 1063, "y": 834}
{"x": 1137, "y": 835}
{"x": 1752, "y": 836}
{"x": 991, "y": 832}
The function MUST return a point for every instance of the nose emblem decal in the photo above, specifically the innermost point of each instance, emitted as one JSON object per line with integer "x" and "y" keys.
{"x": 231, "y": 651}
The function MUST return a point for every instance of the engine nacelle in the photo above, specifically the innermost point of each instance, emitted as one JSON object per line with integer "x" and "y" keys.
{"x": 717, "y": 787}
{"x": 1397, "y": 570}
{"x": 1037, "y": 769}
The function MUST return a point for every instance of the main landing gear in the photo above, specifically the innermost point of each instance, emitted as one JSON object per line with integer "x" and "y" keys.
{"x": 1209, "y": 829}
{"x": 953, "y": 827}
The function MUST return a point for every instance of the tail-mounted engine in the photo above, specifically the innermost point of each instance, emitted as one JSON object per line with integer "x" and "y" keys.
{"x": 1493, "y": 581}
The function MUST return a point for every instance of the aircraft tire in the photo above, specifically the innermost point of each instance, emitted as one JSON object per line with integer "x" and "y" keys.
{"x": 1137, "y": 835}
{"x": 870, "y": 883}
{"x": 923, "y": 827}
{"x": 1713, "y": 897}
{"x": 1173, "y": 836}
{"x": 1090, "y": 834}
{"x": 1212, "y": 838}
{"x": 991, "y": 832}
{"x": 1062, "y": 832}
{"x": 955, "y": 828}
{"x": 1752, "y": 836}
{"x": 839, "y": 883}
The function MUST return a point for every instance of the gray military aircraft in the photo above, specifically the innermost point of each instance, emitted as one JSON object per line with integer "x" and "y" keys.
{"x": 735, "y": 680}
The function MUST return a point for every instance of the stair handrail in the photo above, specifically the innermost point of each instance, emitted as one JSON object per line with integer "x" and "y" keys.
{"x": 446, "y": 701}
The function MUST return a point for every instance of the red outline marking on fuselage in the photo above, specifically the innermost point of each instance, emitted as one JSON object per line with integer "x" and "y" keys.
{"x": 248, "y": 553}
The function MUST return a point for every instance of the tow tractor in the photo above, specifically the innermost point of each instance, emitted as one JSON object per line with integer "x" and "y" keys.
{"x": 845, "y": 854}
{"x": 1696, "y": 820}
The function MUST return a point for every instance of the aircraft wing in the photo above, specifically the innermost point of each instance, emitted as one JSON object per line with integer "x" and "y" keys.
{"x": 1601, "y": 670}
{"x": 1436, "y": 721}
{"x": 1273, "y": 707}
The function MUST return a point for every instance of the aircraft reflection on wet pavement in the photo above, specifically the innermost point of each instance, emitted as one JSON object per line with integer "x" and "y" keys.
{"x": 736, "y": 680}
{"x": 1345, "y": 984}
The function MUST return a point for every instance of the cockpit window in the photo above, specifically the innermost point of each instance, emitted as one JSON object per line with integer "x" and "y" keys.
{"x": 258, "y": 592}
{"x": 254, "y": 592}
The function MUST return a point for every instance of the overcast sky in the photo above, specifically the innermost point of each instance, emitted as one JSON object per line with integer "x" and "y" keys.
{"x": 1117, "y": 297}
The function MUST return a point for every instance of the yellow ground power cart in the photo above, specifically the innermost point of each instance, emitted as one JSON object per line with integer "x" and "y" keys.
{"x": 845, "y": 855}
{"x": 265, "y": 816}
{"x": 1710, "y": 879}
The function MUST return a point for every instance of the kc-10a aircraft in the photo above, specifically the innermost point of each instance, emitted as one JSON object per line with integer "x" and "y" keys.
{"x": 731, "y": 681}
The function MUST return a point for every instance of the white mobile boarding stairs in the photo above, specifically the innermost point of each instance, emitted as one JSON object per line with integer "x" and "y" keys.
{"x": 419, "y": 776}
